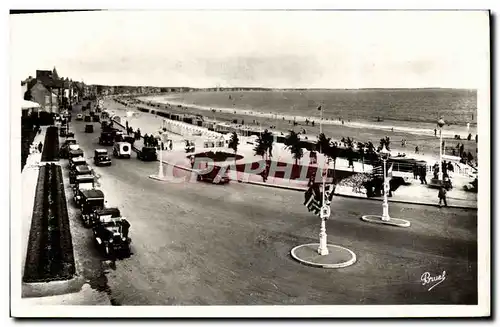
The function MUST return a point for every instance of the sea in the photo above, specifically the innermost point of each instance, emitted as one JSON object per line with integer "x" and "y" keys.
{"x": 413, "y": 109}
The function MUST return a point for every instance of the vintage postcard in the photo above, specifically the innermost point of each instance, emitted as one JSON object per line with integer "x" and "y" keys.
{"x": 308, "y": 163}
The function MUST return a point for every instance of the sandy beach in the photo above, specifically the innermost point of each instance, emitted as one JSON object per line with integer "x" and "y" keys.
{"x": 424, "y": 129}
{"x": 424, "y": 139}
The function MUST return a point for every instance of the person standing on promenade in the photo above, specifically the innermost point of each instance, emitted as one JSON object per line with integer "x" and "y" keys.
{"x": 415, "y": 171}
{"x": 170, "y": 145}
{"x": 442, "y": 196}
{"x": 435, "y": 132}
{"x": 423, "y": 175}
{"x": 40, "y": 146}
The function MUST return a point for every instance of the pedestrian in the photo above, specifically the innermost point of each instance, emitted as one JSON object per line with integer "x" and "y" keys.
{"x": 423, "y": 175}
{"x": 170, "y": 145}
{"x": 442, "y": 196}
{"x": 416, "y": 149}
{"x": 415, "y": 171}
{"x": 40, "y": 146}
{"x": 435, "y": 132}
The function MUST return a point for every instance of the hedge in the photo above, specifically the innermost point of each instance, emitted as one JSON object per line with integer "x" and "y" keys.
{"x": 51, "y": 145}
{"x": 50, "y": 249}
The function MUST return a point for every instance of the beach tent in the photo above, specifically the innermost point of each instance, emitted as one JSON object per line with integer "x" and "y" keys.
{"x": 29, "y": 105}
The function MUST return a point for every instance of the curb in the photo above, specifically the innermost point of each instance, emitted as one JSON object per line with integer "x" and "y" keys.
{"x": 407, "y": 202}
{"x": 303, "y": 189}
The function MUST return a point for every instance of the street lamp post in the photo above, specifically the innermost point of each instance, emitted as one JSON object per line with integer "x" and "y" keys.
{"x": 385, "y": 218}
{"x": 440, "y": 124}
{"x": 385, "y": 205}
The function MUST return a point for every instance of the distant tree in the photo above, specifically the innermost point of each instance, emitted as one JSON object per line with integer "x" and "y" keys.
{"x": 260, "y": 148}
{"x": 323, "y": 144}
{"x": 292, "y": 143}
{"x": 361, "y": 152}
{"x": 233, "y": 143}
{"x": 384, "y": 141}
{"x": 333, "y": 153}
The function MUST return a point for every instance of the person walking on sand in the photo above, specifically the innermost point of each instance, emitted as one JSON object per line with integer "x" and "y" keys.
{"x": 416, "y": 149}
{"x": 442, "y": 196}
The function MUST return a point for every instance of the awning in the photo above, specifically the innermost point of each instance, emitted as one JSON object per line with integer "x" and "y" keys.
{"x": 29, "y": 105}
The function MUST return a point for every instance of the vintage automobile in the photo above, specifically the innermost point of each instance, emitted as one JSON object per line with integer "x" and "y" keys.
{"x": 107, "y": 138}
{"x": 79, "y": 171}
{"x": 147, "y": 153}
{"x": 75, "y": 153}
{"x": 96, "y": 118}
{"x": 82, "y": 182}
{"x": 62, "y": 131}
{"x": 75, "y": 162}
{"x": 90, "y": 201}
{"x": 89, "y": 128}
{"x": 119, "y": 137}
{"x": 79, "y": 117}
{"x": 111, "y": 232}
{"x": 101, "y": 157}
{"x": 122, "y": 150}
{"x": 65, "y": 148}
{"x": 213, "y": 174}
{"x": 87, "y": 119}
{"x": 129, "y": 139}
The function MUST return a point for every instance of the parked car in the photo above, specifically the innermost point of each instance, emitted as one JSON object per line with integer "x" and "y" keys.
{"x": 79, "y": 171}
{"x": 101, "y": 157}
{"x": 89, "y": 128}
{"x": 111, "y": 232}
{"x": 87, "y": 119}
{"x": 65, "y": 148}
{"x": 75, "y": 153}
{"x": 91, "y": 200}
{"x": 107, "y": 138}
{"x": 147, "y": 153}
{"x": 122, "y": 150}
{"x": 79, "y": 117}
{"x": 82, "y": 182}
{"x": 96, "y": 118}
{"x": 213, "y": 175}
{"x": 75, "y": 162}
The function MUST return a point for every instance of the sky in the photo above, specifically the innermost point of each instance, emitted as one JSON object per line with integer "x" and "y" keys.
{"x": 281, "y": 49}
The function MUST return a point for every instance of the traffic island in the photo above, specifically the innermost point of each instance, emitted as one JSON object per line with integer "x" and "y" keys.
{"x": 337, "y": 257}
{"x": 391, "y": 221}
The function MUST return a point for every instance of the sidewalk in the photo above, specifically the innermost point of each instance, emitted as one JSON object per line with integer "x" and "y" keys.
{"x": 29, "y": 178}
{"x": 417, "y": 193}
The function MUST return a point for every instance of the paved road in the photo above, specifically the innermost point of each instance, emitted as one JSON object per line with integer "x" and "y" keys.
{"x": 196, "y": 243}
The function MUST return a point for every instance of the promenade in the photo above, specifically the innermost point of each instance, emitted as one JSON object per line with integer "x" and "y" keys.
{"x": 415, "y": 193}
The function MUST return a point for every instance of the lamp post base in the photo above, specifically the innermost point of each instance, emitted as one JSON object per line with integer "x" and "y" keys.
{"x": 337, "y": 257}
{"x": 158, "y": 178}
{"x": 386, "y": 220}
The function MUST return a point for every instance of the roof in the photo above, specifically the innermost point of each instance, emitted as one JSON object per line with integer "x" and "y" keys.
{"x": 85, "y": 178}
{"x": 101, "y": 151}
{"x": 93, "y": 193}
{"x": 114, "y": 212}
{"x": 78, "y": 159}
{"x": 83, "y": 169}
